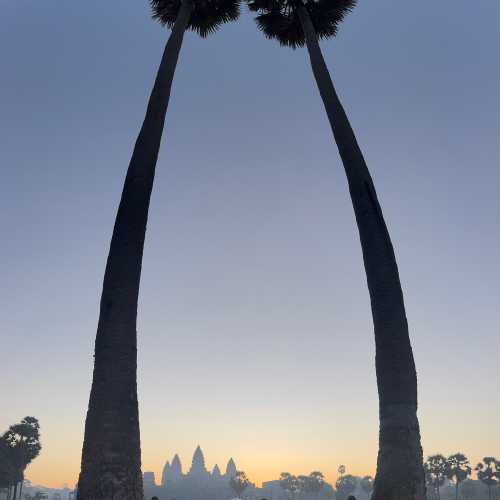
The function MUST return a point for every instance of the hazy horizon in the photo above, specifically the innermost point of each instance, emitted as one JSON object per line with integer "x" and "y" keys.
{"x": 254, "y": 327}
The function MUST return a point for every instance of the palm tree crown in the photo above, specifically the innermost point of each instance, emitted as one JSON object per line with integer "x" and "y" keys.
{"x": 206, "y": 17}
{"x": 278, "y": 19}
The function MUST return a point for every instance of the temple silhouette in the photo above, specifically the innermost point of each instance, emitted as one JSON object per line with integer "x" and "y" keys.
{"x": 200, "y": 484}
{"x": 172, "y": 473}
{"x": 197, "y": 483}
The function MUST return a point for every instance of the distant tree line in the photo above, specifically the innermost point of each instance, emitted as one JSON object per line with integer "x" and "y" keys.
{"x": 293, "y": 485}
{"x": 447, "y": 478}
{"x": 41, "y": 495}
{"x": 298, "y": 487}
{"x": 19, "y": 445}
{"x": 456, "y": 469}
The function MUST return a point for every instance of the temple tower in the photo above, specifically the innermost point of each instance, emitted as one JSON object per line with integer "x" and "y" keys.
{"x": 231, "y": 468}
{"x": 176, "y": 467}
{"x": 166, "y": 474}
{"x": 216, "y": 474}
{"x": 171, "y": 472}
{"x": 198, "y": 468}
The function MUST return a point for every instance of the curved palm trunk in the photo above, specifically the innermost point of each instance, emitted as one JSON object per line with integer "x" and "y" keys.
{"x": 111, "y": 456}
{"x": 400, "y": 474}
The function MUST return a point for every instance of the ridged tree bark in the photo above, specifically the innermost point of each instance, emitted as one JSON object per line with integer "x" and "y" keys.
{"x": 111, "y": 455}
{"x": 400, "y": 473}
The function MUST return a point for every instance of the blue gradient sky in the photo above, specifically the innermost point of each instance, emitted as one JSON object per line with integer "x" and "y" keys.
{"x": 255, "y": 333}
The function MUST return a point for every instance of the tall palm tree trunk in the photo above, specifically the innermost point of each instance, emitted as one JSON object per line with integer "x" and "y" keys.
{"x": 400, "y": 474}
{"x": 111, "y": 456}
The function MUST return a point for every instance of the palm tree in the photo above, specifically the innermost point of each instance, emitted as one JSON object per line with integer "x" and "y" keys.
{"x": 111, "y": 458}
{"x": 488, "y": 472}
{"x": 22, "y": 443}
{"x": 400, "y": 473}
{"x": 458, "y": 470}
{"x": 346, "y": 485}
{"x": 436, "y": 470}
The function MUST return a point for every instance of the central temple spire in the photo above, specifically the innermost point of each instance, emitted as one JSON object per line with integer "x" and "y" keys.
{"x": 198, "y": 465}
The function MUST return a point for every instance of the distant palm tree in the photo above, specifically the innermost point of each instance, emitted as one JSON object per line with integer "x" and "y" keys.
{"x": 346, "y": 485}
{"x": 488, "y": 472}
{"x": 436, "y": 470}
{"x": 458, "y": 470}
{"x": 400, "y": 473}
{"x": 111, "y": 456}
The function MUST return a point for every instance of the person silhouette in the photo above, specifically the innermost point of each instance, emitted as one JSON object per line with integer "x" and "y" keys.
{"x": 351, "y": 497}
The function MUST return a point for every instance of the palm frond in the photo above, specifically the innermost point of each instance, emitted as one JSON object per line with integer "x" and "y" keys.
{"x": 207, "y": 16}
{"x": 278, "y": 19}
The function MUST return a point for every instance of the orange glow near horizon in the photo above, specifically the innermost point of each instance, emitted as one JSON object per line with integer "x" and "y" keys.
{"x": 265, "y": 440}
{"x": 56, "y": 471}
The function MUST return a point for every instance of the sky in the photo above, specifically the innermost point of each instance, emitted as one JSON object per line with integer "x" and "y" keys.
{"x": 254, "y": 330}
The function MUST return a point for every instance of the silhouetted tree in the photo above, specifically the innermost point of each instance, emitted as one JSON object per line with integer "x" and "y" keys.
{"x": 239, "y": 483}
{"x": 488, "y": 472}
{"x": 311, "y": 484}
{"x": 289, "y": 483}
{"x": 431, "y": 492}
{"x": 400, "y": 474}
{"x": 366, "y": 484}
{"x": 435, "y": 472}
{"x": 345, "y": 486}
{"x": 302, "y": 482}
{"x": 8, "y": 470}
{"x": 21, "y": 445}
{"x": 458, "y": 470}
{"x": 111, "y": 457}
